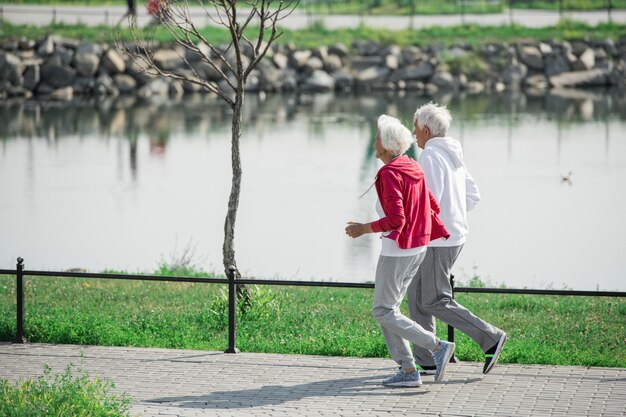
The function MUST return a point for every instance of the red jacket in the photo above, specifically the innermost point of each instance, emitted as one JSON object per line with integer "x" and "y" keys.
{"x": 410, "y": 209}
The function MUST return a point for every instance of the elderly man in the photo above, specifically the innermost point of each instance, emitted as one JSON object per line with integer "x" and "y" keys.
{"x": 430, "y": 294}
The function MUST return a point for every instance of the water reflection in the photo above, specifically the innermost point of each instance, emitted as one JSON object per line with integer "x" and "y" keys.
{"x": 306, "y": 160}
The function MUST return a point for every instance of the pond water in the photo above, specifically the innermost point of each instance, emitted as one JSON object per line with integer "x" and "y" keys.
{"x": 125, "y": 184}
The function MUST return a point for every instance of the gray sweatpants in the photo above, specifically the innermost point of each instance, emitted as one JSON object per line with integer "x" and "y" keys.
{"x": 393, "y": 276}
{"x": 430, "y": 297}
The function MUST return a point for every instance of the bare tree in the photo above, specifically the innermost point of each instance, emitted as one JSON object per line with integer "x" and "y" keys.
{"x": 252, "y": 25}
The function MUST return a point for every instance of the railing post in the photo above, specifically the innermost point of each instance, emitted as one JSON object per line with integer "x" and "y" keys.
{"x": 450, "y": 328}
{"x": 232, "y": 311}
{"x": 19, "y": 292}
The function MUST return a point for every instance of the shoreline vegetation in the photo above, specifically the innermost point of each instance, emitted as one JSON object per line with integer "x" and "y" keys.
{"x": 557, "y": 330}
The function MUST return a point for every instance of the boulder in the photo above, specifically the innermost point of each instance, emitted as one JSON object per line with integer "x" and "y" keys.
{"x": 419, "y": 72}
{"x": 62, "y": 94}
{"x": 66, "y": 55}
{"x": 168, "y": 59}
{"x": 46, "y": 47}
{"x": 156, "y": 87}
{"x": 11, "y": 68}
{"x": 545, "y": 49}
{"x": 556, "y": 64}
{"x": 56, "y": 74}
{"x": 104, "y": 85}
{"x": 113, "y": 62}
{"x": 89, "y": 48}
{"x": 32, "y": 76}
{"x": 26, "y": 44}
{"x": 443, "y": 80}
{"x": 300, "y": 58}
{"x": 513, "y": 75}
{"x": 361, "y": 62}
{"x": 590, "y": 78}
{"x": 86, "y": 63}
{"x": 313, "y": 64}
{"x": 531, "y": 56}
{"x": 339, "y": 49}
{"x": 318, "y": 81}
{"x": 83, "y": 85}
{"x": 412, "y": 54}
{"x": 333, "y": 63}
{"x": 125, "y": 83}
{"x": 587, "y": 59}
{"x": 392, "y": 62}
{"x": 344, "y": 81}
{"x": 280, "y": 60}
{"x": 371, "y": 74}
{"x": 537, "y": 82}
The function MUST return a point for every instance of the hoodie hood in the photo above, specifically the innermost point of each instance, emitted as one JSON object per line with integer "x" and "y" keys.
{"x": 452, "y": 148}
{"x": 405, "y": 166}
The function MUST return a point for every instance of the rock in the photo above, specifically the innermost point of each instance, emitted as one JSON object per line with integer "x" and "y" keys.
{"x": 392, "y": 62}
{"x": 176, "y": 88}
{"x": 299, "y": 58}
{"x": 361, "y": 62}
{"x": 366, "y": 48}
{"x": 56, "y": 74}
{"x": 587, "y": 59}
{"x": 86, "y": 64}
{"x": 475, "y": 87}
{"x": 280, "y": 60}
{"x": 62, "y": 94}
{"x": 104, "y": 85}
{"x": 371, "y": 75}
{"x": 44, "y": 89}
{"x": 333, "y": 63}
{"x": 83, "y": 85}
{"x": 339, "y": 49}
{"x": 46, "y": 47}
{"x": 11, "y": 68}
{"x": 288, "y": 80}
{"x": 537, "y": 81}
{"x": 412, "y": 54}
{"x": 320, "y": 52}
{"x": 89, "y": 48}
{"x": 545, "y": 49}
{"x": 32, "y": 76}
{"x": 313, "y": 64}
{"x": 26, "y": 44}
{"x": 443, "y": 80}
{"x": 531, "y": 56}
{"x": 420, "y": 72}
{"x": 556, "y": 64}
{"x": 344, "y": 81}
{"x": 66, "y": 55}
{"x": 156, "y": 87}
{"x": 125, "y": 83}
{"x": 113, "y": 62}
{"x": 455, "y": 52}
{"x": 168, "y": 59}
{"x": 514, "y": 75}
{"x": 431, "y": 89}
{"x": 578, "y": 47}
{"x": 318, "y": 81}
{"x": 590, "y": 78}
{"x": 600, "y": 55}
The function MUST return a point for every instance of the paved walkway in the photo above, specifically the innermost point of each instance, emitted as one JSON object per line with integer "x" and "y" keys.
{"x": 167, "y": 382}
{"x": 42, "y": 15}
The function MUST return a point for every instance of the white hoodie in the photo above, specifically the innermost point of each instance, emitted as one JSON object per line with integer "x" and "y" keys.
{"x": 451, "y": 184}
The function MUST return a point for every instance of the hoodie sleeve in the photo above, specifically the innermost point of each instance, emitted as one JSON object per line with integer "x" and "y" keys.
{"x": 472, "y": 195}
{"x": 392, "y": 202}
{"x": 434, "y": 175}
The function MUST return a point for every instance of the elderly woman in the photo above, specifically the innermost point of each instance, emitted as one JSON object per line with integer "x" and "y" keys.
{"x": 408, "y": 222}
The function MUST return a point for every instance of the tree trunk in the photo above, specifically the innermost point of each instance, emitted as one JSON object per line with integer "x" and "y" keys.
{"x": 228, "y": 250}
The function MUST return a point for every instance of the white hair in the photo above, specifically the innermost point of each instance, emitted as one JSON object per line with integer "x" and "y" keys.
{"x": 437, "y": 118}
{"x": 394, "y": 136}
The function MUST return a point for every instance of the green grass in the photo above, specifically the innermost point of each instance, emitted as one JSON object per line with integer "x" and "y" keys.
{"x": 72, "y": 393}
{"x": 319, "y": 35}
{"x": 543, "y": 329}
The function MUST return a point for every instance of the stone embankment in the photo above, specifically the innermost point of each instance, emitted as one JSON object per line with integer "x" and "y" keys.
{"x": 59, "y": 68}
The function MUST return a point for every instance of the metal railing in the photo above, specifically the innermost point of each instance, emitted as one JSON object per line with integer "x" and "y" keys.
{"x": 232, "y": 283}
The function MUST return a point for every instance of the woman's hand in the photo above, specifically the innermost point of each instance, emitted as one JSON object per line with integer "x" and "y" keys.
{"x": 355, "y": 230}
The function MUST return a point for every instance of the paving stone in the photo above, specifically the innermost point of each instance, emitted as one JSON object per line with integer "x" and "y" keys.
{"x": 188, "y": 383}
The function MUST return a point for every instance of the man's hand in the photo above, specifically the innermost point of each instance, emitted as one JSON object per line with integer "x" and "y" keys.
{"x": 355, "y": 230}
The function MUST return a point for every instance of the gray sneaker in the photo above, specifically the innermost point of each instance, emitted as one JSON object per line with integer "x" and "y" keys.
{"x": 442, "y": 357}
{"x": 402, "y": 379}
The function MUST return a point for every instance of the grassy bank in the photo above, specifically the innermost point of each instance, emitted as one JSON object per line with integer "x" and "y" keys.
{"x": 319, "y": 35}
{"x": 542, "y": 329}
